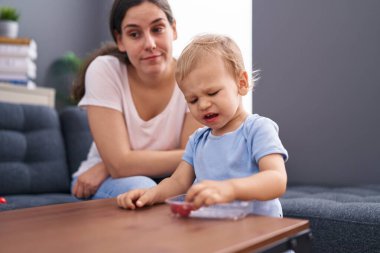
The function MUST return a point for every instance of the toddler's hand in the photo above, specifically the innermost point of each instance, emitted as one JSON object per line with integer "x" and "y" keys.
{"x": 208, "y": 193}
{"x": 135, "y": 199}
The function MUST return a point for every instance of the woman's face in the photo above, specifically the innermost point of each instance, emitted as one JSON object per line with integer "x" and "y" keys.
{"x": 147, "y": 36}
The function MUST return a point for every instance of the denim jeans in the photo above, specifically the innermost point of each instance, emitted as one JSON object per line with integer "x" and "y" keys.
{"x": 111, "y": 187}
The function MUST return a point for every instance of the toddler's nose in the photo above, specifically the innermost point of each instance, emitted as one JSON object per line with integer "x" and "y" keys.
{"x": 204, "y": 104}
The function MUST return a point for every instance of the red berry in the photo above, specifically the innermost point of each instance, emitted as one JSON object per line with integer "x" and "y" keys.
{"x": 184, "y": 211}
{"x": 174, "y": 208}
{"x": 3, "y": 200}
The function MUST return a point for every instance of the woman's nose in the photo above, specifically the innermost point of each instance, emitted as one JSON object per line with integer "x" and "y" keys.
{"x": 150, "y": 43}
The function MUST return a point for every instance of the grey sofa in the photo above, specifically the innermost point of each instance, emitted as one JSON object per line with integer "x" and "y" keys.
{"x": 39, "y": 150}
{"x": 343, "y": 219}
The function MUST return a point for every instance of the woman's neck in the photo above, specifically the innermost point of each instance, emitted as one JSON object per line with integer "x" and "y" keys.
{"x": 158, "y": 81}
{"x": 151, "y": 94}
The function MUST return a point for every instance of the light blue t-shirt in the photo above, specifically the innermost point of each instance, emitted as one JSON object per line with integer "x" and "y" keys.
{"x": 236, "y": 155}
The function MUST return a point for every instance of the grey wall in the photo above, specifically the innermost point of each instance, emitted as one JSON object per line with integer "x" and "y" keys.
{"x": 59, "y": 26}
{"x": 321, "y": 82}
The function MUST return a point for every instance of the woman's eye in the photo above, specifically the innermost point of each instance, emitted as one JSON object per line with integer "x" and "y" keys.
{"x": 158, "y": 29}
{"x": 133, "y": 34}
{"x": 213, "y": 93}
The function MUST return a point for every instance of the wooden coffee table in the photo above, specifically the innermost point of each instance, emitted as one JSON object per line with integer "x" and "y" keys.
{"x": 100, "y": 226}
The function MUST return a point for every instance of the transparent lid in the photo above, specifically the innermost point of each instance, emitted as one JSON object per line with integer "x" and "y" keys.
{"x": 234, "y": 210}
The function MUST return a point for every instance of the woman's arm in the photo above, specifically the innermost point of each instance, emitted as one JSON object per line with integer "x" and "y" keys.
{"x": 111, "y": 137}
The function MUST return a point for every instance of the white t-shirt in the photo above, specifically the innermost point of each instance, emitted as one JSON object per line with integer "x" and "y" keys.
{"x": 107, "y": 85}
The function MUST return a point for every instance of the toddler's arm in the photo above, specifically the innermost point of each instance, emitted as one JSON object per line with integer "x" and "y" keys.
{"x": 268, "y": 184}
{"x": 177, "y": 184}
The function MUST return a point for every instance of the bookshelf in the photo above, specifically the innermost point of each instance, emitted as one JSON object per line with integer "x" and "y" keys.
{"x": 23, "y": 95}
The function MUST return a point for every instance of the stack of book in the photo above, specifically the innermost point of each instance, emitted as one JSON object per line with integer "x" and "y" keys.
{"x": 17, "y": 56}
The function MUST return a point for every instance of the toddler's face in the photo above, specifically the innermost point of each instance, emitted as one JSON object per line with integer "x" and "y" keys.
{"x": 213, "y": 95}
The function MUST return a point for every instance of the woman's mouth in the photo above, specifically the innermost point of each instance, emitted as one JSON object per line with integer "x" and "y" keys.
{"x": 151, "y": 57}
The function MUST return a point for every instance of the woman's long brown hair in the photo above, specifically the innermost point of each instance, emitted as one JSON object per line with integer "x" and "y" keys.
{"x": 78, "y": 88}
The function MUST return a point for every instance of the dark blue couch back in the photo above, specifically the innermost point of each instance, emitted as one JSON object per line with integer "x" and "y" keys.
{"x": 39, "y": 149}
{"x": 32, "y": 153}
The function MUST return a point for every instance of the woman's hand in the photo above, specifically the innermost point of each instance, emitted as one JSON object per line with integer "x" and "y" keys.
{"x": 210, "y": 192}
{"x": 88, "y": 183}
{"x": 136, "y": 198}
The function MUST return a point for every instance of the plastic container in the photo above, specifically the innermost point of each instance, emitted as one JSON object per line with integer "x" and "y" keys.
{"x": 234, "y": 210}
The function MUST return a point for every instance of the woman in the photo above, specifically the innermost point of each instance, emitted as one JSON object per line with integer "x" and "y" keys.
{"x": 137, "y": 115}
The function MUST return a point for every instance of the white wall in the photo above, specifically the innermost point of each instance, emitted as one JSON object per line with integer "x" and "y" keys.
{"x": 232, "y": 18}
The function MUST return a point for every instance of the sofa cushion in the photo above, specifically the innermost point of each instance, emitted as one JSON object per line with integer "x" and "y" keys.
{"x": 343, "y": 219}
{"x": 32, "y": 154}
{"x": 77, "y": 136}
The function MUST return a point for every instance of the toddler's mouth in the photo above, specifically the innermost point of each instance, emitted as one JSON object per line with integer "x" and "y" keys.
{"x": 210, "y": 116}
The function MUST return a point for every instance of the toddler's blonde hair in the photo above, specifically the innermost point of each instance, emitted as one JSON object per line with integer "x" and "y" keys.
{"x": 210, "y": 45}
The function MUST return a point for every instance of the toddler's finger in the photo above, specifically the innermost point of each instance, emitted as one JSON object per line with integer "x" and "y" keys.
{"x": 193, "y": 192}
{"x": 120, "y": 201}
{"x": 212, "y": 199}
{"x": 142, "y": 201}
{"x": 199, "y": 199}
{"x": 145, "y": 199}
{"x": 124, "y": 201}
{"x": 129, "y": 203}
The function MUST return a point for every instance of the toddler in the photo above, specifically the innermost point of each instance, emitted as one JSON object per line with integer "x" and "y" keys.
{"x": 236, "y": 156}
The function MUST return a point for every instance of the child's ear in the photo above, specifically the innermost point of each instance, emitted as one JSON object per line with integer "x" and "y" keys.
{"x": 243, "y": 83}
